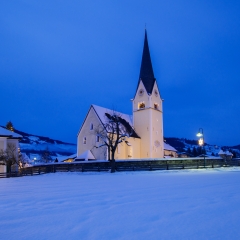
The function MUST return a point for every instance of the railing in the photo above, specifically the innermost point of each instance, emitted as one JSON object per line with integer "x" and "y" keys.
{"x": 124, "y": 165}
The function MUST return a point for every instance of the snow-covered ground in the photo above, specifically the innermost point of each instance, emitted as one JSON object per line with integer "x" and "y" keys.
{"x": 191, "y": 204}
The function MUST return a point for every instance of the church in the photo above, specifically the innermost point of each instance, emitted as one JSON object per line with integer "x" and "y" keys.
{"x": 146, "y": 122}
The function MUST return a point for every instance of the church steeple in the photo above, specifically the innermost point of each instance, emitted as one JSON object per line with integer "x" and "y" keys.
{"x": 147, "y": 109}
{"x": 146, "y": 70}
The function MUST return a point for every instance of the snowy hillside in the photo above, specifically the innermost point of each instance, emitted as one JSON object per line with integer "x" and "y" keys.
{"x": 186, "y": 145}
{"x": 35, "y": 145}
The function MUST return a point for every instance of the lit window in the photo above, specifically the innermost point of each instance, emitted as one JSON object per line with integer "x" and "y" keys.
{"x": 85, "y": 140}
{"x": 97, "y": 139}
{"x": 91, "y": 126}
{"x": 155, "y": 106}
{"x": 141, "y": 105}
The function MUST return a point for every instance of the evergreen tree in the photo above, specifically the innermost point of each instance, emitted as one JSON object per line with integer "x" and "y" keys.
{"x": 204, "y": 151}
{"x": 194, "y": 152}
{"x": 189, "y": 150}
{"x": 9, "y": 126}
{"x": 199, "y": 151}
{"x": 213, "y": 154}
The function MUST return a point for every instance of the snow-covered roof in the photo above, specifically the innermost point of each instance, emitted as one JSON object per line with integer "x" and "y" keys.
{"x": 125, "y": 119}
{"x": 221, "y": 152}
{"x": 169, "y": 147}
{"x": 6, "y": 133}
{"x": 101, "y": 114}
{"x": 229, "y": 153}
{"x": 86, "y": 155}
{"x": 63, "y": 158}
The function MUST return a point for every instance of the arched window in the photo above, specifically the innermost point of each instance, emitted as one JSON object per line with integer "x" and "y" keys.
{"x": 155, "y": 106}
{"x": 91, "y": 126}
{"x": 85, "y": 140}
{"x": 141, "y": 105}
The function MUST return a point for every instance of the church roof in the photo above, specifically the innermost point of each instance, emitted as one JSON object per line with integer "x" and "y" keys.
{"x": 126, "y": 119}
{"x": 146, "y": 70}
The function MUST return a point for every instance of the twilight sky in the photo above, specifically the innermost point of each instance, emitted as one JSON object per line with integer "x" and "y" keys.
{"x": 58, "y": 57}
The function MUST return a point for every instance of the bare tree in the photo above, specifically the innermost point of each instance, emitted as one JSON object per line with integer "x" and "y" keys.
{"x": 9, "y": 157}
{"x": 114, "y": 131}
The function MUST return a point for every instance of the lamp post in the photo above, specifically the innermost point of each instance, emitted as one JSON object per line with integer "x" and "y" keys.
{"x": 201, "y": 142}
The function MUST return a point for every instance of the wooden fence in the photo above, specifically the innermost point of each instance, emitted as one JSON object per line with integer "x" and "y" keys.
{"x": 124, "y": 165}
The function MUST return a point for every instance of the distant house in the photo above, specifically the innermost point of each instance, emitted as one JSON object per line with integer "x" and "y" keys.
{"x": 70, "y": 158}
{"x": 8, "y": 138}
{"x": 169, "y": 151}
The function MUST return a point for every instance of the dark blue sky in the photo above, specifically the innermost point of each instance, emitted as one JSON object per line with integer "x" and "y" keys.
{"x": 58, "y": 57}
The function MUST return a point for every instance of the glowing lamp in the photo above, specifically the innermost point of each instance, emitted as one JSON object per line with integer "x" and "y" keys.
{"x": 199, "y": 134}
{"x": 200, "y": 141}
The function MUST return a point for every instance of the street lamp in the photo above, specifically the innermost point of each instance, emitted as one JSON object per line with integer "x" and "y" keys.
{"x": 201, "y": 142}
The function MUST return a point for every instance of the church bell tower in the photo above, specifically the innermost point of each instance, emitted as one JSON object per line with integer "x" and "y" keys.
{"x": 147, "y": 109}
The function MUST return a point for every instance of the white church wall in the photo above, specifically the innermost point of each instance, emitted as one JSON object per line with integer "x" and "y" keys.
{"x": 157, "y": 135}
{"x": 130, "y": 150}
{"x": 88, "y": 131}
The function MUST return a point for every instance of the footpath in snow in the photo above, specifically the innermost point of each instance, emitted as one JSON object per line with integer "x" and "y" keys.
{"x": 186, "y": 204}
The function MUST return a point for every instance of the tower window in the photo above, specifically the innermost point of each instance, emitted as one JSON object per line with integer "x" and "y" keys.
{"x": 97, "y": 139}
{"x": 141, "y": 105}
{"x": 155, "y": 105}
{"x": 85, "y": 140}
{"x": 91, "y": 126}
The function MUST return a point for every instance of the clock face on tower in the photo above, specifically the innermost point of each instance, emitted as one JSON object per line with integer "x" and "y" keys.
{"x": 141, "y": 92}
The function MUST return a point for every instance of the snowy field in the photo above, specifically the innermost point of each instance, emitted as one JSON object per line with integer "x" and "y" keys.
{"x": 191, "y": 204}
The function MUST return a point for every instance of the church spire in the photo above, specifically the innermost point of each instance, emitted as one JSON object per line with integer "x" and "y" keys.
{"x": 146, "y": 71}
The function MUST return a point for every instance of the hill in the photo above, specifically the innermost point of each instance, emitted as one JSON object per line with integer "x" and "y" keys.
{"x": 186, "y": 145}
{"x": 36, "y": 145}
